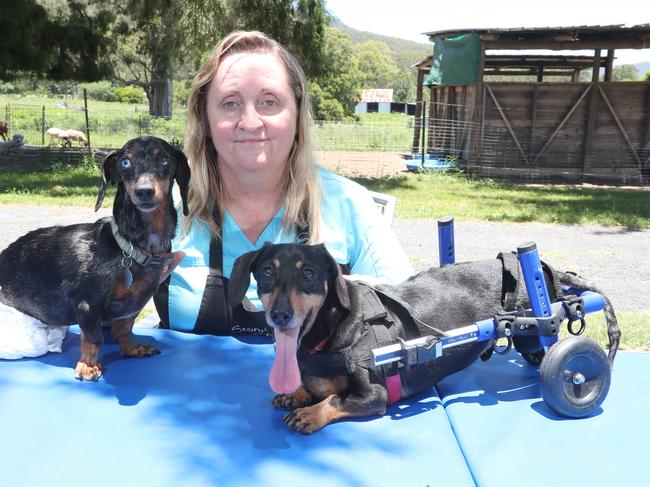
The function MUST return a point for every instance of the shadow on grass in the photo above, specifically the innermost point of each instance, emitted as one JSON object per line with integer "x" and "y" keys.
{"x": 485, "y": 199}
{"x": 629, "y": 209}
{"x": 55, "y": 181}
{"x": 386, "y": 183}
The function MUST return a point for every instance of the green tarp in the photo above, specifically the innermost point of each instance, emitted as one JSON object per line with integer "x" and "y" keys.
{"x": 455, "y": 60}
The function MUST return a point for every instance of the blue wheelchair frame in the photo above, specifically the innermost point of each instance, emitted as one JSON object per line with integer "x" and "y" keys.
{"x": 543, "y": 320}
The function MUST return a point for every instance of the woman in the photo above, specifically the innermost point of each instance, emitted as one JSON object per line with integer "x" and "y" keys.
{"x": 254, "y": 180}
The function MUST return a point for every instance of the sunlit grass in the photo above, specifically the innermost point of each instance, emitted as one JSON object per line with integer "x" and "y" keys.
{"x": 435, "y": 195}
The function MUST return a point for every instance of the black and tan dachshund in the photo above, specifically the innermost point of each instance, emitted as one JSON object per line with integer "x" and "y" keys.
{"x": 325, "y": 326}
{"x": 103, "y": 273}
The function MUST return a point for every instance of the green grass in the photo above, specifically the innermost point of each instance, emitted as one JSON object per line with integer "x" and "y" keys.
{"x": 389, "y": 132}
{"x": 111, "y": 123}
{"x": 635, "y": 330}
{"x": 436, "y": 195}
{"x": 65, "y": 185}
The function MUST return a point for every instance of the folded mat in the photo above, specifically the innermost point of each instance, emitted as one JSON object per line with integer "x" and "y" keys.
{"x": 510, "y": 437}
{"x": 200, "y": 414}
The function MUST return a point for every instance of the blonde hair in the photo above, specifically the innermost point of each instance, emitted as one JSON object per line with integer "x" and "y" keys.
{"x": 301, "y": 191}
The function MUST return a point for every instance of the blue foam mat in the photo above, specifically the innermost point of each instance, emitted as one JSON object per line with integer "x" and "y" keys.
{"x": 510, "y": 437}
{"x": 199, "y": 414}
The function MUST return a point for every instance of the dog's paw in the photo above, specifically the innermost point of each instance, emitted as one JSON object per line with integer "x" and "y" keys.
{"x": 294, "y": 400}
{"x": 84, "y": 371}
{"x": 139, "y": 350}
{"x": 305, "y": 420}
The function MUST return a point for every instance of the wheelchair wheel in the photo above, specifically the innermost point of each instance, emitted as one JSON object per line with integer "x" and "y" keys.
{"x": 575, "y": 377}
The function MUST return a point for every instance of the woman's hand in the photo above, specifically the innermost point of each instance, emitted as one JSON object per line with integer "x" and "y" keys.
{"x": 167, "y": 270}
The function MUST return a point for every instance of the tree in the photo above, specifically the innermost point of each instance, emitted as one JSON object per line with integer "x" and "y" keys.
{"x": 624, "y": 72}
{"x": 404, "y": 86}
{"x": 60, "y": 41}
{"x": 335, "y": 90}
{"x": 158, "y": 36}
{"x": 298, "y": 24}
{"x": 155, "y": 36}
{"x": 376, "y": 64}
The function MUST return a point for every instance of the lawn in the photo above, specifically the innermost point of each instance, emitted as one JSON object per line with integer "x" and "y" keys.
{"x": 420, "y": 196}
{"x": 432, "y": 195}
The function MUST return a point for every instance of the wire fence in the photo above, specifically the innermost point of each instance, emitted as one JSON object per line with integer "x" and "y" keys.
{"x": 376, "y": 144}
{"x": 111, "y": 128}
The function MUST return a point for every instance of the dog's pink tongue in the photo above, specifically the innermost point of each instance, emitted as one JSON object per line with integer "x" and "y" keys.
{"x": 285, "y": 375}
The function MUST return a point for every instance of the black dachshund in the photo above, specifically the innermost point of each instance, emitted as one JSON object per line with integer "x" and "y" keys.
{"x": 325, "y": 326}
{"x": 103, "y": 273}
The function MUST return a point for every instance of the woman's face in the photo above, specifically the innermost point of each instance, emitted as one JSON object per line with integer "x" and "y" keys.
{"x": 252, "y": 113}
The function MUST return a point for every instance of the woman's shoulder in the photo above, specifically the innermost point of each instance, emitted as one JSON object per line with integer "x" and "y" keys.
{"x": 332, "y": 183}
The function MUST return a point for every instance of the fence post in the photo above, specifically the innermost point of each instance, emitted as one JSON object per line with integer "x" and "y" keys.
{"x": 86, "y": 114}
{"x": 43, "y": 125}
{"x": 424, "y": 131}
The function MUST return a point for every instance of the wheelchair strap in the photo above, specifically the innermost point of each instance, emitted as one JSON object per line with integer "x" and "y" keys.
{"x": 510, "y": 281}
{"x": 512, "y": 277}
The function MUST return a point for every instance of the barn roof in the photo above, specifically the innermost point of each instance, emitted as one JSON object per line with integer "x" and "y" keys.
{"x": 618, "y": 36}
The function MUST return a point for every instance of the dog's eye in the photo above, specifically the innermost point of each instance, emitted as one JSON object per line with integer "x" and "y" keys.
{"x": 164, "y": 162}
{"x": 126, "y": 163}
{"x": 267, "y": 271}
{"x": 308, "y": 273}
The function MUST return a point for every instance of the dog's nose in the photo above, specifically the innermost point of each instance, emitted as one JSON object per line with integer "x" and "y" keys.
{"x": 145, "y": 193}
{"x": 281, "y": 313}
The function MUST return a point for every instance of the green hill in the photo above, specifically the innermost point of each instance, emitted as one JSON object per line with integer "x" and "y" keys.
{"x": 405, "y": 53}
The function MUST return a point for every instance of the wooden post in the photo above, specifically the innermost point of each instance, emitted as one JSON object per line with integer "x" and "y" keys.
{"x": 645, "y": 123}
{"x": 424, "y": 131}
{"x": 429, "y": 124}
{"x": 609, "y": 65}
{"x": 479, "y": 107}
{"x": 592, "y": 113}
{"x": 418, "y": 110}
{"x": 533, "y": 115}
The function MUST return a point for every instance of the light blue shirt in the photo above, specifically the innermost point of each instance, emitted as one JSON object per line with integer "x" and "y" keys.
{"x": 352, "y": 230}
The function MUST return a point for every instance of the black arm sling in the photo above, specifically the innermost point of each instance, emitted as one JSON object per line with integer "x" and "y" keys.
{"x": 216, "y": 317}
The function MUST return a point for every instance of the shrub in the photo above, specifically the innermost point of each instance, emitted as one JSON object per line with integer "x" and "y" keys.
{"x": 181, "y": 91}
{"x": 100, "y": 91}
{"x": 323, "y": 105}
{"x": 130, "y": 94}
{"x": 7, "y": 88}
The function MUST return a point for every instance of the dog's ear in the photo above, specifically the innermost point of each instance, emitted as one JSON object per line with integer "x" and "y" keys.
{"x": 109, "y": 174}
{"x": 336, "y": 282}
{"x": 182, "y": 177}
{"x": 240, "y": 277}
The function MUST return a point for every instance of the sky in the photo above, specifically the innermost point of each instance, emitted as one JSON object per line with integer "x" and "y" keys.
{"x": 407, "y": 19}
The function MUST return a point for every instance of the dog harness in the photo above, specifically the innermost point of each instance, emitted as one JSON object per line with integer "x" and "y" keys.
{"x": 378, "y": 311}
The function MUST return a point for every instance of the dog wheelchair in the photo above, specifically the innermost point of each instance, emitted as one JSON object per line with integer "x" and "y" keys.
{"x": 575, "y": 374}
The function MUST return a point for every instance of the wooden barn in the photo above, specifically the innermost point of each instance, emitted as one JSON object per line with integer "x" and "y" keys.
{"x": 505, "y": 113}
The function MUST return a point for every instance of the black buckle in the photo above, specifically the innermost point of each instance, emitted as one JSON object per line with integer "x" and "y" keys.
{"x": 153, "y": 260}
